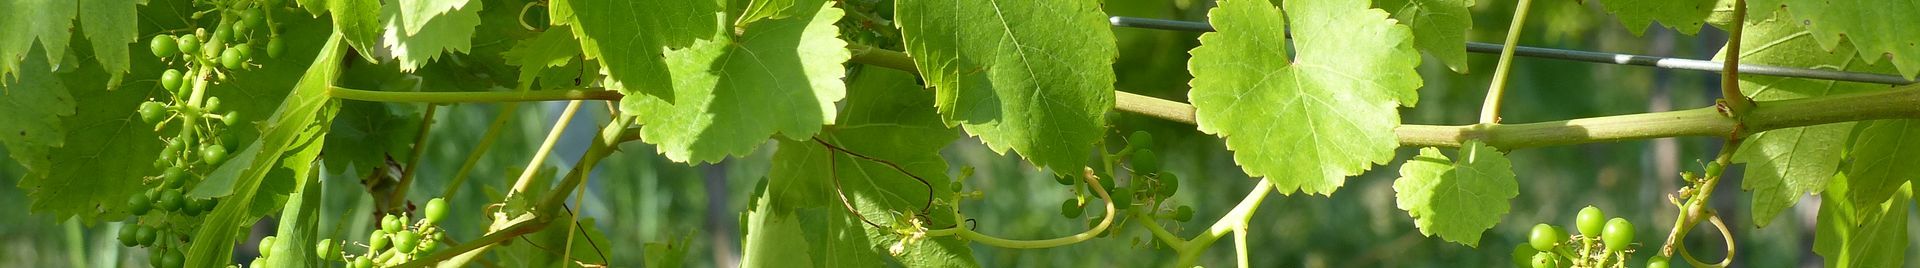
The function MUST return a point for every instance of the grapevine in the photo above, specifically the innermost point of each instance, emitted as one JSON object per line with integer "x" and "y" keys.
{"x": 875, "y": 133}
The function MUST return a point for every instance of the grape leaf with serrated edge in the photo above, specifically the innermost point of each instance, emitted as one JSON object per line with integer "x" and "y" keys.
{"x": 1456, "y": 199}
{"x": 1785, "y": 164}
{"x": 1306, "y": 123}
{"x": 1686, "y": 16}
{"x": 1439, "y": 27}
{"x": 1035, "y": 77}
{"x": 1853, "y": 236}
{"x": 1876, "y": 28}
{"x": 734, "y": 92}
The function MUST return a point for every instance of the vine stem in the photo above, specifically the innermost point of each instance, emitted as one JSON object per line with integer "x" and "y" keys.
{"x": 968, "y": 234}
{"x": 1737, "y": 108}
{"x": 540, "y": 156}
{"x": 413, "y": 158}
{"x": 1900, "y": 102}
{"x": 1234, "y": 220}
{"x": 1737, "y": 104}
{"x": 1490, "y": 110}
{"x": 585, "y": 93}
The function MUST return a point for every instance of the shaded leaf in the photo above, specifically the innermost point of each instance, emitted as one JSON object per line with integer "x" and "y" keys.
{"x": 1035, "y": 77}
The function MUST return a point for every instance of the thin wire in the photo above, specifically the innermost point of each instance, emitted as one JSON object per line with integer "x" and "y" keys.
{"x": 1583, "y": 56}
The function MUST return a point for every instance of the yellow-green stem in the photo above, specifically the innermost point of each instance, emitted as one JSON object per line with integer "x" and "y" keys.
{"x": 1490, "y": 110}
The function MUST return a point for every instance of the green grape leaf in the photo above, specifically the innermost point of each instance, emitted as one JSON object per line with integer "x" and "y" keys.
{"x": 1304, "y": 123}
{"x": 636, "y": 44}
{"x": 89, "y": 162}
{"x": 416, "y": 14}
{"x": 1035, "y": 77}
{"x": 763, "y": 9}
{"x": 1439, "y": 27}
{"x": 553, "y": 48}
{"x": 1457, "y": 199}
{"x": 445, "y": 33}
{"x": 365, "y": 134}
{"x": 23, "y": 21}
{"x": 110, "y": 25}
{"x": 359, "y": 22}
{"x": 800, "y": 219}
{"x": 296, "y": 130}
{"x": 1876, "y": 28}
{"x": 1861, "y": 236}
{"x": 733, "y": 92}
{"x": 299, "y": 228}
{"x": 1785, "y": 164}
{"x": 1686, "y": 16}
{"x": 33, "y": 105}
{"x": 1885, "y": 154}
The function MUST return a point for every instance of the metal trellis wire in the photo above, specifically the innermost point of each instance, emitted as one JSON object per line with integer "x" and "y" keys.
{"x": 1584, "y": 56}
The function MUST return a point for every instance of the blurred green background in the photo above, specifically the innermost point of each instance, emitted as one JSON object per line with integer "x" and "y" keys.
{"x": 637, "y": 197}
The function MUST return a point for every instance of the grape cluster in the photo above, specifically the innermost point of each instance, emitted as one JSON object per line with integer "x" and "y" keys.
{"x": 163, "y": 215}
{"x": 1601, "y": 243}
{"x": 1150, "y": 186}
{"x": 396, "y": 241}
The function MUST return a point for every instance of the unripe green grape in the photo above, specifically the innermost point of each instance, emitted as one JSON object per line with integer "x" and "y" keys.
{"x": 1657, "y": 262}
{"x": 164, "y": 46}
{"x": 1121, "y": 198}
{"x": 1145, "y": 162}
{"x": 231, "y": 118}
{"x": 1063, "y": 180}
{"x": 198, "y": 205}
{"x": 1183, "y": 213}
{"x": 1590, "y": 220}
{"x": 1106, "y": 183}
{"x": 253, "y": 17}
{"x": 146, "y": 235}
{"x": 363, "y": 262}
{"x": 392, "y": 224}
{"x": 377, "y": 241}
{"x": 172, "y": 79}
{"x": 1544, "y": 237}
{"x": 174, "y": 146}
{"x": 406, "y": 240}
{"x": 173, "y": 259}
{"x": 266, "y": 246}
{"x": 274, "y": 47}
{"x": 139, "y": 204}
{"x": 436, "y": 210}
{"x": 129, "y": 235}
{"x": 189, "y": 44}
{"x": 213, "y": 153}
{"x": 153, "y": 259}
{"x": 1618, "y": 234}
{"x": 173, "y": 177}
{"x": 1523, "y": 255}
{"x": 258, "y": 262}
{"x": 1070, "y": 208}
{"x": 151, "y": 111}
{"x": 1714, "y": 168}
{"x": 325, "y": 249}
{"x": 170, "y": 200}
{"x": 1169, "y": 184}
{"x": 230, "y": 58}
{"x": 1545, "y": 260}
{"x": 213, "y": 103}
{"x": 1140, "y": 140}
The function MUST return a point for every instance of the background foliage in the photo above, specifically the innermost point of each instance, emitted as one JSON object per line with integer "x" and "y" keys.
{"x": 643, "y": 195}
